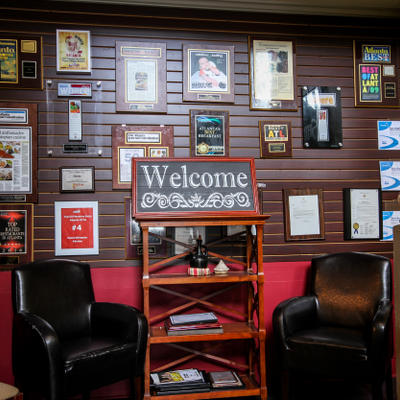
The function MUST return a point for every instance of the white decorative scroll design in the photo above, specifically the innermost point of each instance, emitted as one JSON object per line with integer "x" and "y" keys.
{"x": 177, "y": 201}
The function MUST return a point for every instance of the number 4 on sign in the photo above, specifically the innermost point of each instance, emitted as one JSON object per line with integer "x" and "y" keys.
{"x": 76, "y": 228}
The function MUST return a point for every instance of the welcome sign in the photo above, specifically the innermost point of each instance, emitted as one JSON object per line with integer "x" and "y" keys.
{"x": 193, "y": 187}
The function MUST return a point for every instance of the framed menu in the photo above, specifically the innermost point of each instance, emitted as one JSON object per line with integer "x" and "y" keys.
{"x": 272, "y": 74}
{"x": 141, "y": 77}
{"x": 376, "y": 73}
{"x": 136, "y": 141}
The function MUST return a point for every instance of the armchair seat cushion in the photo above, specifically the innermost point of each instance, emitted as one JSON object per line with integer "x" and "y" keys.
{"x": 329, "y": 350}
{"x": 94, "y": 357}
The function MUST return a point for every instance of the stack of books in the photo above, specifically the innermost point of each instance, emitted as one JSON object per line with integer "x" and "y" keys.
{"x": 193, "y": 324}
{"x": 179, "y": 381}
{"x": 225, "y": 380}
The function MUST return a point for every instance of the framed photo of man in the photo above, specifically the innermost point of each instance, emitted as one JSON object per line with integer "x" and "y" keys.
{"x": 208, "y": 73}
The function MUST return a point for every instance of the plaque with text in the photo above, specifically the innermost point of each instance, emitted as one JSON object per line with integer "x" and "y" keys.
{"x": 16, "y": 234}
{"x": 21, "y": 62}
{"x": 194, "y": 187}
{"x": 136, "y": 141}
{"x": 376, "y": 73}
{"x": 275, "y": 139}
{"x": 209, "y": 133}
{"x": 322, "y": 117}
{"x": 141, "y": 77}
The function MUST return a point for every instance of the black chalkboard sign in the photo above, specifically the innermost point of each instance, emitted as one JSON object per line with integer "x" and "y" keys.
{"x": 193, "y": 187}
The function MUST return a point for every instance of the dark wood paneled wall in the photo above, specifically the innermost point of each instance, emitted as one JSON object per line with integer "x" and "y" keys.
{"x": 324, "y": 58}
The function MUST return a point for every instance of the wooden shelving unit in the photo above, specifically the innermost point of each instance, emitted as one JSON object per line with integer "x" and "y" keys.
{"x": 251, "y": 328}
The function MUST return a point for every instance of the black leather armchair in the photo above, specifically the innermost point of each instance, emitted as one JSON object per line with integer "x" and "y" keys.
{"x": 342, "y": 328}
{"x": 65, "y": 343}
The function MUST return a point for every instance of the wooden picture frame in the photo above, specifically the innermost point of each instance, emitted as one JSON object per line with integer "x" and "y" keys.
{"x": 194, "y": 187}
{"x": 209, "y": 133}
{"x": 18, "y": 141}
{"x": 77, "y": 179}
{"x": 376, "y": 73}
{"x": 16, "y": 234}
{"x": 208, "y": 73}
{"x": 73, "y": 51}
{"x": 21, "y": 61}
{"x": 272, "y": 68}
{"x": 155, "y": 141}
{"x": 304, "y": 214}
{"x": 275, "y": 139}
{"x": 141, "y": 77}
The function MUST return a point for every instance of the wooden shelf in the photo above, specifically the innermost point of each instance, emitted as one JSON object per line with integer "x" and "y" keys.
{"x": 233, "y": 330}
{"x": 183, "y": 279}
{"x": 251, "y": 389}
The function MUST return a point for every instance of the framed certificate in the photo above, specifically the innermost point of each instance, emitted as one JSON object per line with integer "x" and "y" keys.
{"x": 362, "y": 214}
{"x": 76, "y": 228}
{"x": 16, "y": 234}
{"x": 73, "y": 51}
{"x": 209, "y": 133}
{"x": 136, "y": 141}
{"x": 275, "y": 139}
{"x": 141, "y": 76}
{"x": 77, "y": 179}
{"x": 272, "y": 66}
{"x": 304, "y": 214}
{"x": 208, "y": 73}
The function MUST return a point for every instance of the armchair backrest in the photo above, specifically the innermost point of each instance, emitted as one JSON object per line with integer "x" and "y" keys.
{"x": 349, "y": 287}
{"x": 59, "y": 291}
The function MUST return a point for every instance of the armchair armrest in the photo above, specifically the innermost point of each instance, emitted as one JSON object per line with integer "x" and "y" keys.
{"x": 293, "y": 315}
{"x": 120, "y": 320}
{"x": 36, "y": 353}
{"x": 380, "y": 330}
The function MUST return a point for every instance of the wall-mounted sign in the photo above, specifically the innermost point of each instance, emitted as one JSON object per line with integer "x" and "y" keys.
{"x": 388, "y": 135}
{"x": 16, "y": 240}
{"x": 322, "y": 117}
{"x": 376, "y": 69}
{"x": 74, "y": 120}
{"x": 194, "y": 186}
{"x": 136, "y": 141}
{"x": 141, "y": 76}
{"x": 74, "y": 89}
{"x": 209, "y": 133}
{"x": 390, "y": 175}
{"x": 21, "y": 62}
{"x": 73, "y": 51}
{"x": 275, "y": 139}
{"x": 76, "y": 228}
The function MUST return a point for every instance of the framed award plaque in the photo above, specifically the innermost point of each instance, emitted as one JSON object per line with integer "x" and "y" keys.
{"x": 376, "y": 73}
{"x": 141, "y": 77}
{"x": 16, "y": 234}
{"x": 275, "y": 139}
{"x": 209, "y": 133}
{"x": 137, "y": 142}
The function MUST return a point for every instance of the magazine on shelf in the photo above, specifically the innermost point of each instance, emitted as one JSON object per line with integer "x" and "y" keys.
{"x": 177, "y": 377}
{"x": 225, "y": 379}
{"x": 196, "y": 318}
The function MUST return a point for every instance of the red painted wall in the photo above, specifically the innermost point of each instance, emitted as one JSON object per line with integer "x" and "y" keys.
{"x": 123, "y": 285}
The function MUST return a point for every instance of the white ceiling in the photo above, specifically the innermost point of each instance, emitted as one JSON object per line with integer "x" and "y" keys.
{"x": 359, "y": 8}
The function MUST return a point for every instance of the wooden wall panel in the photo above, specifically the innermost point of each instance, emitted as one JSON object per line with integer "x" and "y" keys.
{"x": 324, "y": 57}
